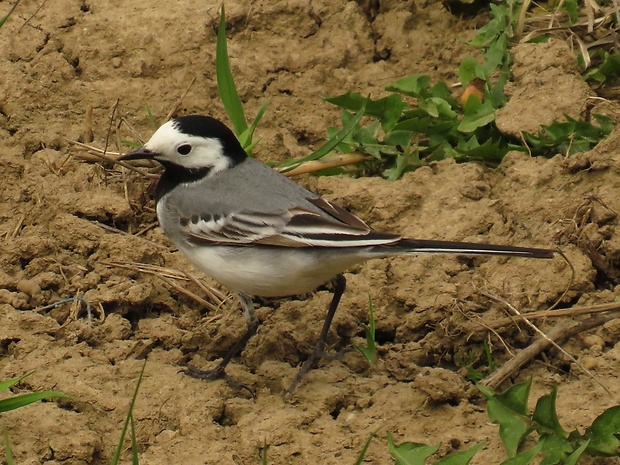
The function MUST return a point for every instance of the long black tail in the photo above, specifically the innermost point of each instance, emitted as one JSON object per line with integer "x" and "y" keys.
{"x": 421, "y": 246}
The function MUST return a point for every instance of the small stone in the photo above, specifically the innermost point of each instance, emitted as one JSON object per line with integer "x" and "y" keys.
{"x": 589, "y": 363}
{"x": 593, "y": 340}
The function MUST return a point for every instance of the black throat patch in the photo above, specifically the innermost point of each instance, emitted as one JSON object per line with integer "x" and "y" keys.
{"x": 175, "y": 175}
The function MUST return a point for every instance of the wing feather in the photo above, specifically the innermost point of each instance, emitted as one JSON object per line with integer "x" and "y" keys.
{"x": 329, "y": 226}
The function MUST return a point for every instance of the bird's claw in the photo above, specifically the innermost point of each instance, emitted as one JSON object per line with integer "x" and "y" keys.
{"x": 217, "y": 373}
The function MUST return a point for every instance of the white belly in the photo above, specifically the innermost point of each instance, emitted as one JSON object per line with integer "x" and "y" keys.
{"x": 261, "y": 270}
{"x": 269, "y": 271}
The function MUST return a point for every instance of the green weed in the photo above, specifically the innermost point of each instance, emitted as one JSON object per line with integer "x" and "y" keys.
{"x": 606, "y": 66}
{"x": 360, "y": 458}
{"x": 228, "y": 91}
{"x": 403, "y": 134}
{"x": 516, "y": 423}
{"x": 468, "y": 360}
{"x": 411, "y": 453}
{"x": 234, "y": 107}
{"x": 129, "y": 424}
{"x": 369, "y": 351}
{"x": 7, "y": 447}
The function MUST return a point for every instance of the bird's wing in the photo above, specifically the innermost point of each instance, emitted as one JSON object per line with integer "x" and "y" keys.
{"x": 328, "y": 226}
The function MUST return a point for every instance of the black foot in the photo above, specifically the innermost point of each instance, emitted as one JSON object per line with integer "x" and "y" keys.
{"x": 339, "y": 284}
{"x": 308, "y": 365}
{"x": 217, "y": 373}
{"x": 311, "y": 363}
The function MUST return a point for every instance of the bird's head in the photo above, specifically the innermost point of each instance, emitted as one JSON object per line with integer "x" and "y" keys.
{"x": 194, "y": 143}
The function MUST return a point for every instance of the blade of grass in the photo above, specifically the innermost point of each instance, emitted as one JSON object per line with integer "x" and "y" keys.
{"x": 225, "y": 83}
{"x": 370, "y": 350}
{"x": 329, "y": 145}
{"x": 263, "y": 453}
{"x": 3, "y": 19}
{"x": 22, "y": 400}
{"x": 128, "y": 419}
{"x": 134, "y": 443}
{"x": 149, "y": 113}
{"x": 7, "y": 448}
{"x": 360, "y": 458}
{"x": 246, "y": 137}
{"x": 16, "y": 402}
{"x": 4, "y": 385}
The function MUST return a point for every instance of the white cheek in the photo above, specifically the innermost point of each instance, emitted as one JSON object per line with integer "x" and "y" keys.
{"x": 207, "y": 153}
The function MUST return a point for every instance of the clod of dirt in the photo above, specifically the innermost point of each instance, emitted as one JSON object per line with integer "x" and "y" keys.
{"x": 546, "y": 86}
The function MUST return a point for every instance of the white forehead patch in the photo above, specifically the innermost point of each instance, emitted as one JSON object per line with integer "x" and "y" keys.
{"x": 205, "y": 152}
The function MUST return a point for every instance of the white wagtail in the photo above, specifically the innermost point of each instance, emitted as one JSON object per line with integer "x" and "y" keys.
{"x": 260, "y": 234}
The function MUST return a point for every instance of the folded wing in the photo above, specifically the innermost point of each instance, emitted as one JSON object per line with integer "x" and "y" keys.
{"x": 330, "y": 226}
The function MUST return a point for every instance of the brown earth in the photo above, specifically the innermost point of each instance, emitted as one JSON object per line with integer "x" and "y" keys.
{"x": 64, "y": 65}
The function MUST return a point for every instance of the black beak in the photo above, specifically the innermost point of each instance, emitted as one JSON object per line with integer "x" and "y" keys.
{"x": 138, "y": 154}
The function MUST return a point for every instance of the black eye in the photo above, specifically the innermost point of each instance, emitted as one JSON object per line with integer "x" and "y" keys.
{"x": 184, "y": 149}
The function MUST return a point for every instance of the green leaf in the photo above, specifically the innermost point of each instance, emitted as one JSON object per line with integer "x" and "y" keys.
{"x": 22, "y": 400}
{"x": 498, "y": 25}
{"x": 351, "y": 101}
{"x": 404, "y": 162}
{"x": 492, "y": 151}
{"x": 525, "y": 457}
{"x": 463, "y": 457}
{"x": 571, "y": 136}
{"x": 367, "y": 135}
{"x": 393, "y": 107}
{"x": 398, "y": 137}
{"x": 469, "y": 70}
{"x": 263, "y": 453}
{"x": 516, "y": 397}
{"x": 576, "y": 455}
{"x": 410, "y": 453}
{"x": 572, "y": 8}
{"x": 425, "y": 124}
{"x": 604, "y": 433}
{"x": 225, "y": 82}
{"x": 387, "y": 109}
{"x": 476, "y": 114}
{"x": 437, "y": 107}
{"x": 491, "y": 365}
{"x": 545, "y": 413}
{"x": 497, "y": 54}
{"x": 415, "y": 86}
{"x": 556, "y": 450}
{"x": 605, "y": 123}
{"x": 611, "y": 66}
{"x": 496, "y": 92}
{"x": 442, "y": 91}
{"x": 509, "y": 409}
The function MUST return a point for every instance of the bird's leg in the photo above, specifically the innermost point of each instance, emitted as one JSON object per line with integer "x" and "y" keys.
{"x": 219, "y": 372}
{"x": 339, "y": 284}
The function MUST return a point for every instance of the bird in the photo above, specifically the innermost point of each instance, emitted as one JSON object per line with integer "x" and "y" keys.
{"x": 260, "y": 234}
